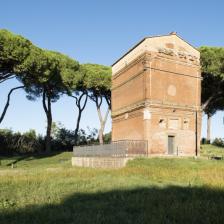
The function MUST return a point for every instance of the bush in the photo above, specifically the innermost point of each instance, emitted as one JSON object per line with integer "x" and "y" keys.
{"x": 218, "y": 142}
{"x": 107, "y": 138}
{"x": 205, "y": 141}
{"x": 62, "y": 140}
{"x": 27, "y": 142}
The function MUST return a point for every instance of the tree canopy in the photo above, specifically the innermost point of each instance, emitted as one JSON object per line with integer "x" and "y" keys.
{"x": 98, "y": 83}
{"x": 212, "y": 97}
{"x": 48, "y": 74}
{"x": 76, "y": 88}
{"x": 212, "y": 65}
{"x": 212, "y": 60}
{"x": 98, "y": 77}
{"x": 43, "y": 76}
{"x": 14, "y": 49}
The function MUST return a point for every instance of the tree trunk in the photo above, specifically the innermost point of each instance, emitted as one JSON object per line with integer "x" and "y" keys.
{"x": 208, "y": 139}
{"x": 98, "y": 99}
{"x": 101, "y": 136}
{"x": 47, "y": 109}
{"x": 102, "y": 123}
{"x": 80, "y": 108}
{"x": 7, "y": 102}
{"x": 77, "y": 126}
{"x": 48, "y": 135}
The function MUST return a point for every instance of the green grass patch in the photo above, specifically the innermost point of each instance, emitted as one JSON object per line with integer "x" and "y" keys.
{"x": 43, "y": 189}
{"x": 212, "y": 150}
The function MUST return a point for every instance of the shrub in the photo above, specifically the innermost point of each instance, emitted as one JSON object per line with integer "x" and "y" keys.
{"x": 218, "y": 142}
{"x": 29, "y": 142}
{"x": 64, "y": 139}
{"x": 11, "y": 142}
{"x": 107, "y": 138}
{"x": 205, "y": 141}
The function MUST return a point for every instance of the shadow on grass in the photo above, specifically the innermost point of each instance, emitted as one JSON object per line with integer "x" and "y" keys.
{"x": 28, "y": 157}
{"x": 141, "y": 205}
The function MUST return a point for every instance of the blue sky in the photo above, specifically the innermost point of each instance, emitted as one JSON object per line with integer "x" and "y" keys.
{"x": 100, "y": 31}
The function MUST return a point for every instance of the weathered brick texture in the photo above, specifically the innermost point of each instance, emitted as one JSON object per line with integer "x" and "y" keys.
{"x": 156, "y": 89}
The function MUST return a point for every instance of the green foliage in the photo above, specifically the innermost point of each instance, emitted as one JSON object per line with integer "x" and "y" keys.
{"x": 98, "y": 82}
{"x": 107, "y": 138}
{"x": 38, "y": 67}
{"x": 97, "y": 77}
{"x": 218, "y": 142}
{"x": 65, "y": 139}
{"x": 72, "y": 76}
{"x": 205, "y": 141}
{"x": 14, "y": 49}
{"x": 212, "y": 150}
{"x": 212, "y": 60}
{"x": 28, "y": 142}
{"x": 212, "y": 90}
{"x": 43, "y": 70}
{"x": 212, "y": 63}
{"x": 49, "y": 74}
{"x": 11, "y": 142}
{"x": 43, "y": 77}
{"x": 67, "y": 69}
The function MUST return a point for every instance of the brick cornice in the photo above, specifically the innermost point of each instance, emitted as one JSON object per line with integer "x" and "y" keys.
{"x": 154, "y": 104}
{"x": 141, "y": 57}
{"x": 149, "y": 56}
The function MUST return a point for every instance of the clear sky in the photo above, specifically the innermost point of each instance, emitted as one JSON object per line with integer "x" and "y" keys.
{"x": 100, "y": 31}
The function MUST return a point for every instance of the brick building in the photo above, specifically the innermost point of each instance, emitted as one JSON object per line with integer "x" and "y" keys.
{"x": 156, "y": 91}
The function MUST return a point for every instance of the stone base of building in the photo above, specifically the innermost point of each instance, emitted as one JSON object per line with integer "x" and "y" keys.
{"x": 100, "y": 162}
{"x": 116, "y": 162}
{"x": 172, "y": 156}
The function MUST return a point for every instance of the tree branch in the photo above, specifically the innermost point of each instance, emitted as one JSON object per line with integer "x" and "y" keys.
{"x": 105, "y": 118}
{"x": 99, "y": 100}
{"x": 108, "y": 100}
{"x": 8, "y": 101}
{"x": 84, "y": 105}
{"x": 3, "y": 80}
{"x": 206, "y": 103}
{"x": 99, "y": 114}
{"x": 5, "y": 75}
{"x": 76, "y": 99}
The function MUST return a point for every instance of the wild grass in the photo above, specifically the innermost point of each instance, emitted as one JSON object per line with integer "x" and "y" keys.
{"x": 211, "y": 150}
{"x": 43, "y": 189}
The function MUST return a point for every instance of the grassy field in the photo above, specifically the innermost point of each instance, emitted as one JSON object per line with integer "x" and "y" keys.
{"x": 157, "y": 190}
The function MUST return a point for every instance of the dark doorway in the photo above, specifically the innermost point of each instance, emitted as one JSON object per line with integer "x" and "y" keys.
{"x": 171, "y": 144}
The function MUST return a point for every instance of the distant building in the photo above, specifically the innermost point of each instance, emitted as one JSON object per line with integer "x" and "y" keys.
{"x": 156, "y": 92}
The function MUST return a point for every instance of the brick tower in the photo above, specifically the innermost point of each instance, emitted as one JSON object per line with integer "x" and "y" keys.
{"x": 156, "y": 91}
